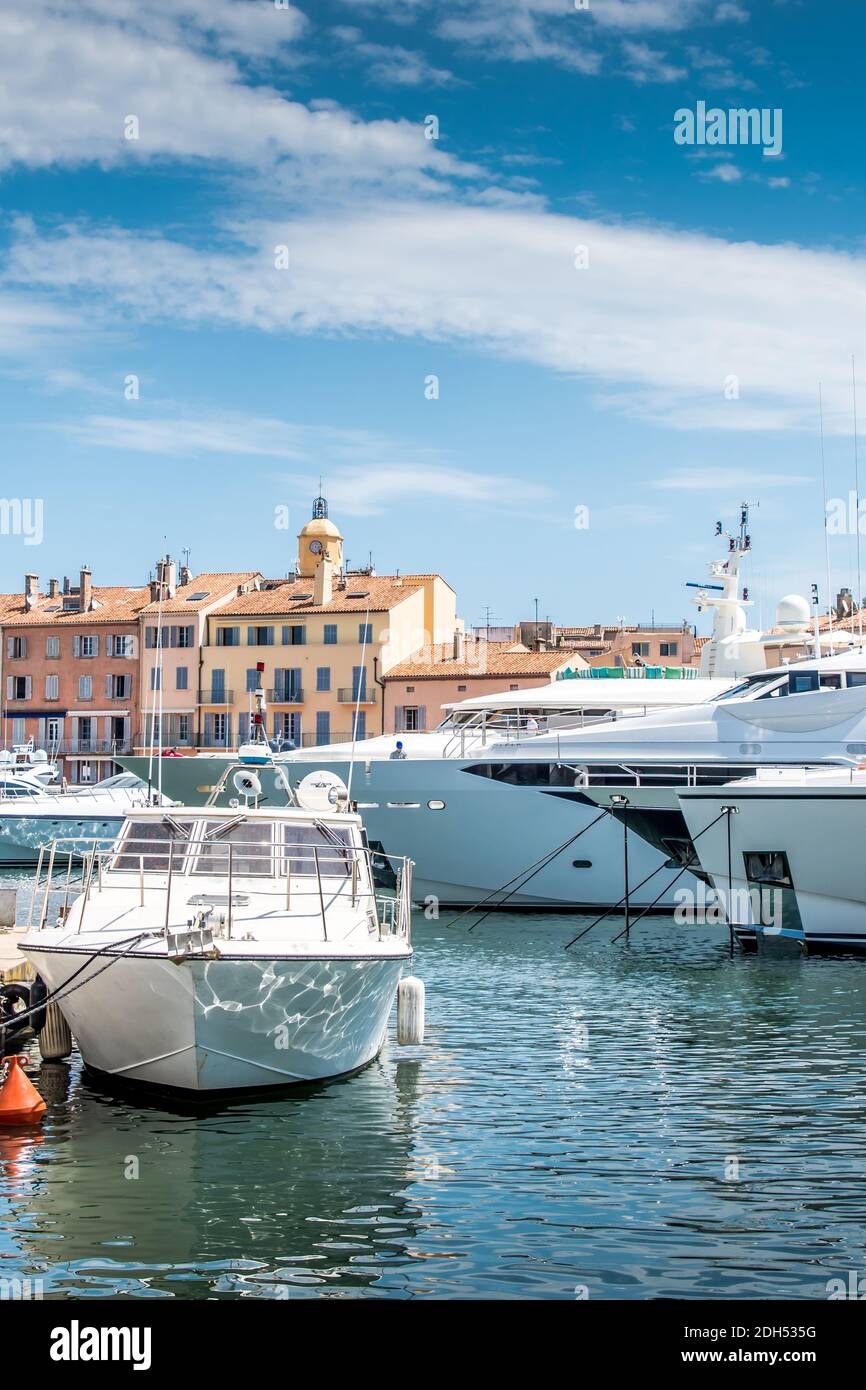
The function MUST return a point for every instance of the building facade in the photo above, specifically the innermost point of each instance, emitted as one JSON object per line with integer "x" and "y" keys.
{"x": 70, "y": 672}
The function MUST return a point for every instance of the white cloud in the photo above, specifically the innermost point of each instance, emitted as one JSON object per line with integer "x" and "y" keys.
{"x": 645, "y": 64}
{"x": 726, "y": 173}
{"x": 85, "y": 72}
{"x": 658, "y": 322}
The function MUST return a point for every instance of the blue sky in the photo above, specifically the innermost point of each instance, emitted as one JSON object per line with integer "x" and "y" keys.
{"x": 601, "y": 385}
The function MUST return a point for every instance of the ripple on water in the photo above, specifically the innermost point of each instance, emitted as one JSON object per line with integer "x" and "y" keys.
{"x": 656, "y": 1119}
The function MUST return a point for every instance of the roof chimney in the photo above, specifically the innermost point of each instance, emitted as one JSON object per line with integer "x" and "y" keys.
{"x": 185, "y": 577}
{"x": 53, "y": 588}
{"x": 86, "y": 590}
{"x": 323, "y": 582}
{"x": 31, "y": 590}
{"x": 66, "y": 584}
{"x": 458, "y": 645}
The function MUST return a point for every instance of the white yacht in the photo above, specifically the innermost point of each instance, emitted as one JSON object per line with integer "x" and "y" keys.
{"x": 783, "y": 852}
{"x": 810, "y": 713}
{"x": 225, "y": 949}
{"x": 31, "y": 815}
{"x": 25, "y": 759}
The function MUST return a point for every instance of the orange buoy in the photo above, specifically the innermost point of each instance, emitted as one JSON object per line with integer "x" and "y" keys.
{"x": 20, "y": 1102}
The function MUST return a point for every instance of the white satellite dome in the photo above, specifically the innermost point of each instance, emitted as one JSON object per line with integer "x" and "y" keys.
{"x": 793, "y": 611}
{"x": 322, "y": 791}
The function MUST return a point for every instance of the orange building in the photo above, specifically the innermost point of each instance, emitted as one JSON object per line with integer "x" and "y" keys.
{"x": 70, "y": 672}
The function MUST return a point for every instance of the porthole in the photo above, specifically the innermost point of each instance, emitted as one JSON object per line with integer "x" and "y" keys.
{"x": 581, "y": 863}
{"x": 435, "y": 805}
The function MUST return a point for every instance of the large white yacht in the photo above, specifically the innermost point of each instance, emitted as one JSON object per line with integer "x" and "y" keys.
{"x": 813, "y": 712}
{"x": 783, "y": 851}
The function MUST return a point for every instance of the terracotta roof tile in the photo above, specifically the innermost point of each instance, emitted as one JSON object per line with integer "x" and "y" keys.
{"x": 211, "y": 586}
{"x": 116, "y": 604}
{"x": 379, "y": 593}
{"x": 480, "y": 659}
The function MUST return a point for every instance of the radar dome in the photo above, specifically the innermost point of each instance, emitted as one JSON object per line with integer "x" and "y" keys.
{"x": 792, "y": 611}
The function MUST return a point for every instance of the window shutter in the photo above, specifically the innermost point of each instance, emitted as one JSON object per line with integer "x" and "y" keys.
{"x": 172, "y": 635}
{"x": 208, "y": 730}
{"x": 28, "y": 687}
{"x": 228, "y": 731}
{"x": 286, "y": 636}
{"x": 109, "y": 644}
{"x": 76, "y": 646}
{"x": 251, "y": 637}
{"x": 422, "y": 716}
{"x": 10, "y": 689}
{"x": 8, "y": 646}
{"x": 23, "y": 646}
{"x": 96, "y": 646}
{"x": 398, "y": 719}
{"x": 108, "y": 680}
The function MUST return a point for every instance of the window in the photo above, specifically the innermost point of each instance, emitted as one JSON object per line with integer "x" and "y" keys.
{"x": 305, "y": 844}
{"x": 53, "y": 732}
{"x": 183, "y": 728}
{"x": 155, "y": 678}
{"x": 85, "y": 687}
{"x": 323, "y": 726}
{"x": 410, "y": 718}
{"x": 87, "y": 646}
{"x": 294, "y": 635}
{"x": 52, "y": 646}
{"x": 228, "y": 637}
{"x": 669, "y": 648}
{"x": 461, "y": 687}
{"x": 181, "y": 678}
{"x": 856, "y": 678}
{"x": 640, "y": 648}
{"x": 287, "y": 728}
{"x": 17, "y": 687}
{"x": 118, "y": 645}
{"x": 198, "y": 596}
{"x": 150, "y": 636}
{"x": 323, "y": 677}
{"x": 365, "y": 632}
{"x": 118, "y": 687}
{"x": 220, "y": 727}
{"x": 410, "y": 690}
{"x": 359, "y": 682}
{"x": 150, "y": 840}
{"x": 359, "y": 724}
{"x": 252, "y": 849}
{"x": 260, "y": 636}
{"x": 330, "y": 634}
{"x": 16, "y": 647}
{"x": 185, "y": 636}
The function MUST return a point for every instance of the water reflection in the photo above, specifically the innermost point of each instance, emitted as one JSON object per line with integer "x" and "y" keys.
{"x": 649, "y": 1120}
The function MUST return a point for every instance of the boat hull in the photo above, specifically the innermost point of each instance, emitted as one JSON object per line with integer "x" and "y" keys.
{"x": 22, "y": 837}
{"x": 203, "y": 1026}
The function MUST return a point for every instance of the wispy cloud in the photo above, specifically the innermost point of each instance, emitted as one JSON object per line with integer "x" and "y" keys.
{"x": 661, "y": 322}
{"x": 366, "y": 471}
{"x": 724, "y": 479}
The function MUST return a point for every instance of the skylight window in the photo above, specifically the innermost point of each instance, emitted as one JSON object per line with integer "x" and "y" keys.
{"x": 196, "y": 598}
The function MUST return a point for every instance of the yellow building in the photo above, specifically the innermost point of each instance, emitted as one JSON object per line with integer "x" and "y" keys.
{"x": 324, "y": 639}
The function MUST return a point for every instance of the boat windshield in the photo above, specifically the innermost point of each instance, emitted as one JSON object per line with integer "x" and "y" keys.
{"x": 149, "y": 842}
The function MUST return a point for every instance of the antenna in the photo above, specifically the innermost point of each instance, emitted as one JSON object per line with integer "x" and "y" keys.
{"x": 857, "y": 505}
{"x": 824, "y": 495}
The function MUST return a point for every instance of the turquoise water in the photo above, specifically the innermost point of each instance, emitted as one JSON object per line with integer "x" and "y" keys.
{"x": 568, "y": 1128}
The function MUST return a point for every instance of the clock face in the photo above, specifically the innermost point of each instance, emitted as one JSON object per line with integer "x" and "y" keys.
{"x": 316, "y": 547}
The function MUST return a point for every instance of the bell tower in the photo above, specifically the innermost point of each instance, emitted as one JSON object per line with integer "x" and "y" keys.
{"x": 319, "y": 540}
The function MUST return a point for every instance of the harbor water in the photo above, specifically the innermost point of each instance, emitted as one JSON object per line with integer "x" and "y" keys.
{"x": 642, "y": 1120}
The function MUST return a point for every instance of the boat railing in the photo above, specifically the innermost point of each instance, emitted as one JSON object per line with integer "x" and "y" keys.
{"x": 291, "y": 876}
{"x": 686, "y": 774}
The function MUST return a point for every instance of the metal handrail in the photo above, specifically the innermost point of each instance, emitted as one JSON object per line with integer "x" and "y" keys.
{"x": 387, "y": 914}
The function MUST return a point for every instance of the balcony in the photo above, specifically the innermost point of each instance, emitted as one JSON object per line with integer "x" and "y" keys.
{"x": 354, "y": 697}
{"x": 88, "y": 747}
{"x": 216, "y": 696}
{"x": 285, "y": 697}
